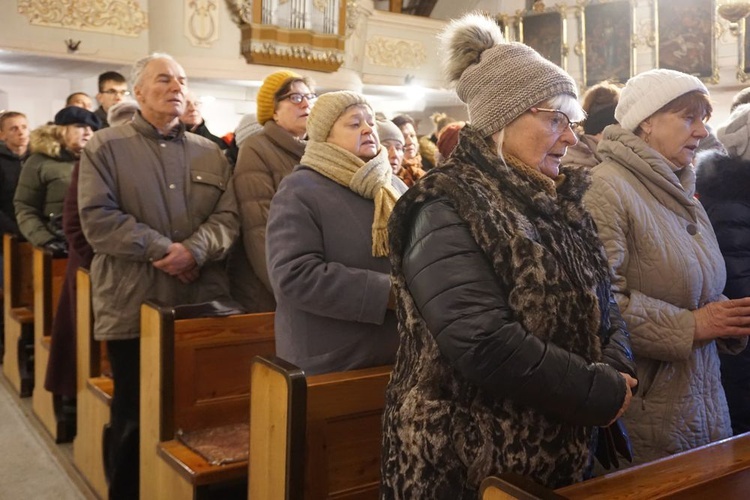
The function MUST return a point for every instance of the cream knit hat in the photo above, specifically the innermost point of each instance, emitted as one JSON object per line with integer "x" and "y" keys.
{"x": 498, "y": 80}
{"x": 388, "y": 131}
{"x": 327, "y": 109}
{"x": 734, "y": 134}
{"x": 270, "y": 86}
{"x": 648, "y": 92}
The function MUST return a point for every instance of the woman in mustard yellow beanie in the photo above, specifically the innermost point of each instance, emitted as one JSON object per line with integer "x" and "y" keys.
{"x": 284, "y": 101}
{"x": 327, "y": 244}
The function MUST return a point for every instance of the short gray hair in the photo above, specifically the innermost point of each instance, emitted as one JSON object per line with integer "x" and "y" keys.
{"x": 140, "y": 65}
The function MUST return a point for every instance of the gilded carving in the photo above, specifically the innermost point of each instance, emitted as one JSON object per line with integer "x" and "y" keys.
{"x": 117, "y": 17}
{"x": 320, "y": 5}
{"x": 202, "y": 22}
{"x": 395, "y": 53}
{"x": 241, "y": 11}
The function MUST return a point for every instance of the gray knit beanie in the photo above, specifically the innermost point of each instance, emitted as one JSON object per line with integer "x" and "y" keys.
{"x": 327, "y": 109}
{"x": 498, "y": 80}
{"x": 388, "y": 131}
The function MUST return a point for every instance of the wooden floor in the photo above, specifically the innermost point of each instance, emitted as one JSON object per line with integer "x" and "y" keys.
{"x": 32, "y": 466}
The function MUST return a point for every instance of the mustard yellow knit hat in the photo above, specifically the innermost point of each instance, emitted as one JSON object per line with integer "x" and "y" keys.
{"x": 270, "y": 86}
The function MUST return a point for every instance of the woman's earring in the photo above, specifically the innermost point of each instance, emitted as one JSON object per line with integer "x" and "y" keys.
{"x": 647, "y": 137}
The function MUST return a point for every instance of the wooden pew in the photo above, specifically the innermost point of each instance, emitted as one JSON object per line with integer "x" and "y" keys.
{"x": 18, "y": 303}
{"x": 194, "y": 377}
{"x": 315, "y": 437}
{"x": 49, "y": 278}
{"x": 717, "y": 470}
{"x": 94, "y": 390}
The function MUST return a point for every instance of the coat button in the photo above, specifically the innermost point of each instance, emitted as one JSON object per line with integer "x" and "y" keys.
{"x": 172, "y": 186}
{"x": 199, "y": 177}
{"x": 692, "y": 230}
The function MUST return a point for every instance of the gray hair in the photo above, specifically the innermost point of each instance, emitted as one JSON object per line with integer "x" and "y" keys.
{"x": 140, "y": 65}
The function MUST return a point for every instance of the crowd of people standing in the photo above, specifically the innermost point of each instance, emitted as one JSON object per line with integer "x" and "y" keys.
{"x": 546, "y": 272}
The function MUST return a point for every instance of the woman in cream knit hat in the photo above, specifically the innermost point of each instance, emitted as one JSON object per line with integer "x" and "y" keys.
{"x": 511, "y": 350}
{"x": 327, "y": 244}
{"x": 264, "y": 159}
{"x": 668, "y": 270}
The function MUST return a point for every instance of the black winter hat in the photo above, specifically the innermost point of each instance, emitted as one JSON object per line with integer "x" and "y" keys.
{"x": 74, "y": 115}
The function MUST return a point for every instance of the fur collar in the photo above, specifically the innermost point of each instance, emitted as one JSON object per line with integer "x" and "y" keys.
{"x": 47, "y": 140}
{"x": 721, "y": 176}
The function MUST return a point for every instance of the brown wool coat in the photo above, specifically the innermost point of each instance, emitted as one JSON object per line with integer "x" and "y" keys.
{"x": 264, "y": 160}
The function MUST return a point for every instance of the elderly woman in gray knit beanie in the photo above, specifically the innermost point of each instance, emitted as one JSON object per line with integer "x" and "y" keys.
{"x": 511, "y": 350}
{"x": 669, "y": 274}
{"x": 327, "y": 244}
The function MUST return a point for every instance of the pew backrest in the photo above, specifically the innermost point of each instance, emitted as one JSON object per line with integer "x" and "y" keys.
{"x": 317, "y": 436}
{"x": 194, "y": 377}
{"x": 18, "y": 283}
{"x": 49, "y": 279}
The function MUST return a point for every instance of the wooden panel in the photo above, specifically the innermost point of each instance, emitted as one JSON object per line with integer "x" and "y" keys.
{"x": 269, "y": 416}
{"x": 18, "y": 299}
{"x": 49, "y": 277}
{"x": 212, "y": 367}
{"x": 194, "y": 374}
{"x": 150, "y": 403}
{"x": 344, "y": 412}
{"x": 676, "y": 475}
{"x": 93, "y": 415}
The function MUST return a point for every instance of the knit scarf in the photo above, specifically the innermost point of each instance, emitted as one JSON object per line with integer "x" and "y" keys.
{"x": 371, "y": 180}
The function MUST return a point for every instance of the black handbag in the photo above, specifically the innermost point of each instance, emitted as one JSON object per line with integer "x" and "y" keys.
{"x": 612, "y": 443}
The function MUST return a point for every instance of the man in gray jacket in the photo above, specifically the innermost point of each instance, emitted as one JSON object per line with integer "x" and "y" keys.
{"x": 158, "y": 208}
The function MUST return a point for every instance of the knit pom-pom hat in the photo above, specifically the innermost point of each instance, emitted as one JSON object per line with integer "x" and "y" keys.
{"x": 498, "y": 80}
{"x": 327, "y": 109}
{"x": 734, "y": 134}
{"x": 268, "y": 89}
{"x": 648, "y": 92}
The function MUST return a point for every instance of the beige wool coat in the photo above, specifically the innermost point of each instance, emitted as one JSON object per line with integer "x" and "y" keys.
{"x": 666, "y": 263}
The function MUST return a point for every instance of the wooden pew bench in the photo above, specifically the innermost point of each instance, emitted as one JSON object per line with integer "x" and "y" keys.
{"x": 719, "y": 470}
{"x": 194, "y": 379}
{"x": 315, "y": 437}
{"x": 18, "y": 303}
{"x": 94, "y": 390}
{"x": 49, "y": 279}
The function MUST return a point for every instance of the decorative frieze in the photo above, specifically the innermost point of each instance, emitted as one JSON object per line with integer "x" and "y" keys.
{"x": 201, "y": 22}
{"x": 395, "y": 52}
{"x": 117, "y": 17}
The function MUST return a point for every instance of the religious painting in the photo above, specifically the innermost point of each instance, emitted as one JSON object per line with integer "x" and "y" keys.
{"x": 544, "y": 32}
{"x": 685, "y": 37}
{"x": 608, "y": 52}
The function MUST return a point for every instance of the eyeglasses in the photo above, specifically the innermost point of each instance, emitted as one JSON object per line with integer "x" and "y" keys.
{"x": 560, "y": 122}
{"x": 114, "y": 92}
{"x": 297, "y": 98}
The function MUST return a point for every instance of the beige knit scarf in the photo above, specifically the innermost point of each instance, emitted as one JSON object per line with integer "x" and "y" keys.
{"x": 371, "y": 180}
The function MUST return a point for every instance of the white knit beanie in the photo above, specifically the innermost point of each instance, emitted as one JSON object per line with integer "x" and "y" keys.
{"x": 648, "y": 92}
{"x": 734, "y": 134}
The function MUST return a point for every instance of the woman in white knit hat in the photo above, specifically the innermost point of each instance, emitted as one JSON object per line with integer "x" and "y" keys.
{"x": 723, "y": 185}
{"x": 327, "y": 244}
{"x": 668, "y": 271}
{"x": 511, "y": 351}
